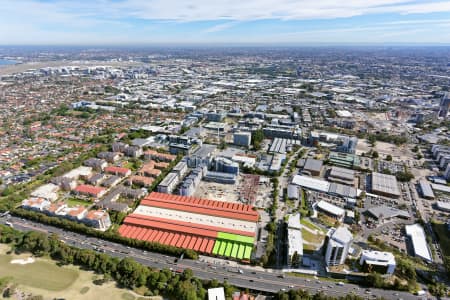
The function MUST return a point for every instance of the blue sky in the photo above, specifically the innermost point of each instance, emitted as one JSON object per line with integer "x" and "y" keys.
{"x": 296, "y": 22}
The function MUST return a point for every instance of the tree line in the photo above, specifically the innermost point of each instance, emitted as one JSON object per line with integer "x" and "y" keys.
{"x": 130, "y": 274}
{"x": 106, "y": 235}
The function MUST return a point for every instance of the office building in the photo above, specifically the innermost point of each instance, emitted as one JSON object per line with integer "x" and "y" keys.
{"x": 338, "y": 245}
{"x": 377, "y": 261}
{"x": 243, "y": 139}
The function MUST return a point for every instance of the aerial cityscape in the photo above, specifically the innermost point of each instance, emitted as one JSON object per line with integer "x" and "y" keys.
{"x": 150, "y": 150}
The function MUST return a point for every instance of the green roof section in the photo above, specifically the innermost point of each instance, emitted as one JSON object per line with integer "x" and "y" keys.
{"x": 247, "y": 252}
{"x": 228, "y": 250}
{"x": 216, "y": 247}
{"x": 241, "y": 252}
{"x": 235, "y": 238}
{"x": 222, "y": 248}
{"x": 235, "y": 250}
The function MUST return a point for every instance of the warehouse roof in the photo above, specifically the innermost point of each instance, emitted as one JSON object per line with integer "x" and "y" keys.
{"x": 385, "y": 183}
{"x": 202, "y": 206}
{"x": 343, "y": 173}
{"x": 311, "y": 183}
{"x": 330, "y": 208}
{"x": 425, "y": 187}
{"x": 386, "y": 212}
{"x": 313, "y": 165}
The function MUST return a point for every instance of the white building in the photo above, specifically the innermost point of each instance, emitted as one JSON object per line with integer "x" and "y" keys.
{"x": 382, "y": 262}
{"x": 295, "y": 239}
{"x": 339, "y": 241}
{"x": 216, "y": 294}
{"x": 417, "y": 237}
{"x": 46, "y": 191}
{"x": 169, "y": 183}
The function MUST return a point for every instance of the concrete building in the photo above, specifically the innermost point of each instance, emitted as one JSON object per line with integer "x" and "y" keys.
{"x": 46, "y": 191}
{"x": 385, "y": 185}
{"x": 221, "y": 164}
{"x": 243, "y": 139}
{"x": 444, "y": 106}
{"x": 381, "y": 262}
{"x": 294, "y": 238}
{"x": 169, "y": 183}
{"x": 338, "y": 244}
{"x": 181, "y": 169}
{"x": 416, "y": 236}
{"x": 313, "y": 166}
{"x": 426, "y": 190}
{"x": 98, "y": 219}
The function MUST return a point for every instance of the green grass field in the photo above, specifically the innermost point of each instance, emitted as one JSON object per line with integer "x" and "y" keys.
{"x": 75, "y": 201}
{"x": 310, "y": 225}
{"x": 39, "y": 274}
{"x": 312, "y": 238}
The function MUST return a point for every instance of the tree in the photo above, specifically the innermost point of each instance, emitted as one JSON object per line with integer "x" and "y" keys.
{"x": 295, "y": 259}
{"x": 257, "y": 138}
{"x": 375, "y": 154}
{"x": 389, "y": 157}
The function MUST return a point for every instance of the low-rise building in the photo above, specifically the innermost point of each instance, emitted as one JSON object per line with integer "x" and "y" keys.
{"x": 98, "y": 219}
{"x": 90, "y": 190}
{"x": 377, "y": 261}
{"x": 118, "y": 171}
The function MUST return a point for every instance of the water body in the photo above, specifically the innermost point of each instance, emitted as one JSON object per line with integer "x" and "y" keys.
{"x": 4, "y": 62}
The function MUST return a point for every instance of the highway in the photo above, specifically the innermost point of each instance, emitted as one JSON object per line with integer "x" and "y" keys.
{"x": 269, "y": 280}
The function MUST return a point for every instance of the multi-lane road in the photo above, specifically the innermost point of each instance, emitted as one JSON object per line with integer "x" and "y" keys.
{"x": 269, "y": 280}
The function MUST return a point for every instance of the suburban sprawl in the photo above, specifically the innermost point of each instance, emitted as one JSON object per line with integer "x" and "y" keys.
{"x": 285, "y": 173}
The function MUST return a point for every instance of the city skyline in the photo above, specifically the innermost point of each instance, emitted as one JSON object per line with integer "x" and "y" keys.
{"x": 136, "y": 22}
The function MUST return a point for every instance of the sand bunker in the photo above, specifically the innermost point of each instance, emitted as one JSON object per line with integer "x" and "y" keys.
{"x": 29, "y": 260}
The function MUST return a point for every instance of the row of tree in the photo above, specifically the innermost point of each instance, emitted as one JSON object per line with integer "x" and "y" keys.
{"x": 130, "y": 274}
{"x": 127, "y": 272}
{"x": 108, "y": 235}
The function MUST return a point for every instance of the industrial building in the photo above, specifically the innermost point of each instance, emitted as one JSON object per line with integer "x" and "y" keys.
{"x": 211, "y": 227}
{"x": 344, "y": 193}
{"x": 444, "y": 206}
{"x": 416, "y": 235}
{"x": 341, "y": 175}
{"x": 377, "y": 261}
{"x": 385, "y": 213}
{"x": 426, "y": 190}
{"x": 330, "y": 210}
{"x": 338, "y": 245}
{"x": 313, "y": 166}
{"x": 385, "y": 185}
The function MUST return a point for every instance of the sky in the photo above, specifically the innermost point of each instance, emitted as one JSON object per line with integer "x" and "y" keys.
{"x": 275, "y": 22}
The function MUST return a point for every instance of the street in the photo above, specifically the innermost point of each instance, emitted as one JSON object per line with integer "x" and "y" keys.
{"x": 269, "y": 280}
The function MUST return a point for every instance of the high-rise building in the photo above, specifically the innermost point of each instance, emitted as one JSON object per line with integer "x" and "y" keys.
{"x": 339, "y": 241}
{"x": 444, "y": 106}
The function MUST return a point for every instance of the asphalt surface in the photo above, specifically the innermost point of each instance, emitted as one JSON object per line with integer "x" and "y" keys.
{"x": 269, "y": 280}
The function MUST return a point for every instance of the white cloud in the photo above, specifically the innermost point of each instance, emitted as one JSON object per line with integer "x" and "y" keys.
{"x": 60, "y": 20}
{"x": 201, "y": 10}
